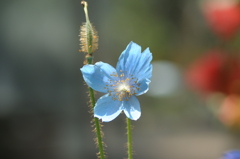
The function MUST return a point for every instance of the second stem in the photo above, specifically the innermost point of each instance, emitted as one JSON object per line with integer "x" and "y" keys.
{"x": 129, "y": 137}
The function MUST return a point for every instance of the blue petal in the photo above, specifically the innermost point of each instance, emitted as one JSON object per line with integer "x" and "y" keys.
{"x": 143, "y": 68}
{"x": 133, "y": 62}
{"x": 129, "y": 58}
{"x": 107, "y": 109}
{"x": 97, "y": 76}
{"x": 235, "y": 154}
{"x": 132, "y": 108}
{"x": 143, "y": 87}
{"x": 144, "y": 80}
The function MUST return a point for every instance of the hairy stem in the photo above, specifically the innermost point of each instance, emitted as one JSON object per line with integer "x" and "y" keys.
{"x": 88, "y": 39}
{"x": 129, "y": 137}
{"x": 97, "y": 126}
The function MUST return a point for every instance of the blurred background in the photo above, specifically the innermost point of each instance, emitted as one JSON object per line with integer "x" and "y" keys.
{"x": 191, "y": 111}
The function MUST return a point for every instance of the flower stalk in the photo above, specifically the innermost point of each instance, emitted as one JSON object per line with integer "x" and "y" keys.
{"x": 97, "y": 125}
{"x": 89, "y": 43}
{"x": 129, "y": 137}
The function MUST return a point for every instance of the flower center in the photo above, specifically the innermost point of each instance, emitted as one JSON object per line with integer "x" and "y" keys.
{"x": 123, "y": 88}
{"x": 122, "y": 91}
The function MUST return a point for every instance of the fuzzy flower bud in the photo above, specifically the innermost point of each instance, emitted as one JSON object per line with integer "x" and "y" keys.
{"x": 88, "y": 34}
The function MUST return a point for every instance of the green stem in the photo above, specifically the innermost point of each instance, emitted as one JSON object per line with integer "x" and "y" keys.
{"x": 129, "y": 136}
{"x": 96, "y": 121}
{"x": 97, "y": 126}
{"x": 89, "y": 59}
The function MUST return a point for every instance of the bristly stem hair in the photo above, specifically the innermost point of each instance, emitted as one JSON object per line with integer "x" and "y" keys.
{"x": 89, "y": 43}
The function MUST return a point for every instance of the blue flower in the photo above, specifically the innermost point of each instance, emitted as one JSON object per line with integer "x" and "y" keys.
{"x": 235, "y": 154}
{"x": 131, "y": 78}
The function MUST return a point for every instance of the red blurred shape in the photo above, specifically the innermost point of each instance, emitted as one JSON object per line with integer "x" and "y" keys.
{"x": 223, "y": 18}
{"x": 216, "y": 71}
